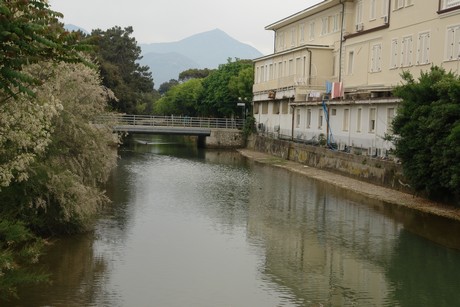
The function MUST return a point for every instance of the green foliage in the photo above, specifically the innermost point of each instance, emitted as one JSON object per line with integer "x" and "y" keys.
{"x": 427, "y": 129}
{"x": 118, "y": 55}
{"x": 194, "y": 73}
{"x": 63, "y": 187}
{"x": 30, "y": 33}
{"x": 19, "y": 249}
{"x": 182, "y": 99}
{"x": 223, "y": 88}
{"x": 166, "y": 86}
{"x": 249, "y": 127}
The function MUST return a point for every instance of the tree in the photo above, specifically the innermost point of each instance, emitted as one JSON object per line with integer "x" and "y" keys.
{"x": 221, "y": 90}
{"x": 182, "y": 99}
{"x": 64, "y": 183}
{"x": 166, "y": 86}
{"x": 427, "y": 129}
{"x": 118, "y": 55}
{"x": 30, "y": 33}
{"x": 194, "y": 73}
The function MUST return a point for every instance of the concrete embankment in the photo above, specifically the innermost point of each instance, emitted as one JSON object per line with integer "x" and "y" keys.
{"x": 362, "y": 187}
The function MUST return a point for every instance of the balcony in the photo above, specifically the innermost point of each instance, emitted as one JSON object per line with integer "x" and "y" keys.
{"x": 295, "y": 86}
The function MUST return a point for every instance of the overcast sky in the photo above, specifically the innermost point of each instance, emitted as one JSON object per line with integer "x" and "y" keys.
{"x": 172, "y": 20}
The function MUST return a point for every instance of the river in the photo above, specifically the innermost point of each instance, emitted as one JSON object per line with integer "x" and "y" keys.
{"x": 191, "y": 227}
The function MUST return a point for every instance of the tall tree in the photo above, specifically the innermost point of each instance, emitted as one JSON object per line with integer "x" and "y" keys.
{"x": 63, "y": 186}
{"x": 118, "y": 55}
{"x": 30, "y": 33}
{"x": 166, "y": 86}
{"x": 427, "y": 126}
{"x": 194, "y": 73}
{"x": 182, "y": 99}
{"x": 220, "y": 94}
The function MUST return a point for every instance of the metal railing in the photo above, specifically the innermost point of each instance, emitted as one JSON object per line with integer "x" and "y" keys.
{"x": 169, "y": 121}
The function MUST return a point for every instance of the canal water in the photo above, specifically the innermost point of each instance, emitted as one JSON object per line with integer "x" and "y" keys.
{"x": 191, "y": 227}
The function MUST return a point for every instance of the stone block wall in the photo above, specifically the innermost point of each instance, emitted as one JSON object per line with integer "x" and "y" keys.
{"x": 225, "y": 138}
{"x": 377, "y": 171}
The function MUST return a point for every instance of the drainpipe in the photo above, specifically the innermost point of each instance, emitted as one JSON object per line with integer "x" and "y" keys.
{"x": 310, "y": 65}
{"x": 293, "y": 117}
{"x": 341, "y": 41}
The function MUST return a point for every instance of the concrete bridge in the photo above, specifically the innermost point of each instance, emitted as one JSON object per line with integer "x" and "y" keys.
{"x": 211, "y": 132}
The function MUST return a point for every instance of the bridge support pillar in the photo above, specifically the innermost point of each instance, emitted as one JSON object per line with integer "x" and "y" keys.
{"x": 224, "y": 138}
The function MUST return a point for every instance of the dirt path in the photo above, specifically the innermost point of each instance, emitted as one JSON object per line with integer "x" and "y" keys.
{"x": 363, "y": 188}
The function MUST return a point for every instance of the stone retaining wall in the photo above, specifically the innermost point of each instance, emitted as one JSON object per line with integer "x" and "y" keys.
{"x": 376, "y": 171}
{"x": 225, "y": 138}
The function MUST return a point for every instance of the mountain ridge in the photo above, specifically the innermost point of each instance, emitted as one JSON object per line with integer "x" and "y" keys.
{"x": 206, "y": 50}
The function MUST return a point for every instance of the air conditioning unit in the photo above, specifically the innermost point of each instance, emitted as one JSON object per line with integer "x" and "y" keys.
{"x": 359, "y": 27}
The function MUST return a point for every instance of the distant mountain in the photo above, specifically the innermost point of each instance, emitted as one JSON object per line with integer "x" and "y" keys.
{"x": 166, "y": 66}
{"x": 203, "y": 50}
{"x": 71, "y": 28}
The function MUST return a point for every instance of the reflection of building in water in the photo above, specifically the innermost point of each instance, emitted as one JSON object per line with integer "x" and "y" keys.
{"x": 322, "y": 247}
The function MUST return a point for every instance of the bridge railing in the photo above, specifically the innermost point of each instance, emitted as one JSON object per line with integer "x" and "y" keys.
{"x": 169, "y": 121}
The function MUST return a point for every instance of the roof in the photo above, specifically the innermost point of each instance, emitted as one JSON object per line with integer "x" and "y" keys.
{"x": 324, "y": 5}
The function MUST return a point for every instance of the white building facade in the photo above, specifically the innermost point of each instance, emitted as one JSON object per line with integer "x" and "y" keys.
{"x": 334, "y": 66}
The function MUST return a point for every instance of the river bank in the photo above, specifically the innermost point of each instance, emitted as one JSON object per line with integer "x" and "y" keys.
{"x": 390, "y": 196}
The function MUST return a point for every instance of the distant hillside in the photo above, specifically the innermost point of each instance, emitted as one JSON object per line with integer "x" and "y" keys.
{"x": 166, "y": 66}
{"x": 203, "y": 50}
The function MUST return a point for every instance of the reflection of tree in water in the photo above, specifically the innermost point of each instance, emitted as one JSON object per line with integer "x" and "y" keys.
{"x": 76, "y": 275}
{"x": 424, "y": 274}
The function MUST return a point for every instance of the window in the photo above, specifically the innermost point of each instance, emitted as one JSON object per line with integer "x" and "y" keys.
{"x": 373, "y": 9}
{"x": 390, "y": 116}
{"x": 346, "y": 116}
{"x": 262, "y": 73}
{"x": 423, "y": 48}
{"x": 308, "y": 118}
{"x": 372, "y": 113}
{"x": 385, "y": 8}
{"x": 336, "y": 23}
{"x": 333, "y": 112}
{"x": 312, "y": 31}
{"x": 452, "y": 43}
{"x": 406, "y": 51}
{"x": 280, "y": 38}
{"x": 376, "y": 58}
{"x": 298, "y": 66}
{"x": 285, "y": 107}
{"x": 276, "y": 107}
{"x": 320, "y": 119}
{"x": 270, "y": 72}
{"x": 399, "y": 4}
{"x": 359, "y": 12}
{"x": 256, "y": 108}
{"x": 394, "y": 53}
{"x": 358, "y": 120}
{"x": 293, "y": 37}
{"x": 324, "y": 25}
{"x": 409, "y": 2}
{"x": 297, "y": 118}
{"x": 291, "y": 67}
{"x": 280, "y": 69}
{"x": 351, "y": 59}
{"x": 302, "y": 33}
{"x": 264, "y": 107}
{"x": 446, "y": 4}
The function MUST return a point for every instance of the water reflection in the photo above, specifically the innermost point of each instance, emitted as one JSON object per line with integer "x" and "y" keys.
{"x": 190, "y": 227}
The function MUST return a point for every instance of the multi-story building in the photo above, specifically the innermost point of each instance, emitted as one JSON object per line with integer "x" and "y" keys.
{"x": 335, "y": 64}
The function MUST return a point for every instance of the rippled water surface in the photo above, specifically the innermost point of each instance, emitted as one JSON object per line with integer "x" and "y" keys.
{"x": 208, "y": 228}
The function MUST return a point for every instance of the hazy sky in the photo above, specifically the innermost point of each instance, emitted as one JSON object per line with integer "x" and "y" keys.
{"x": 172, "y": 20}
